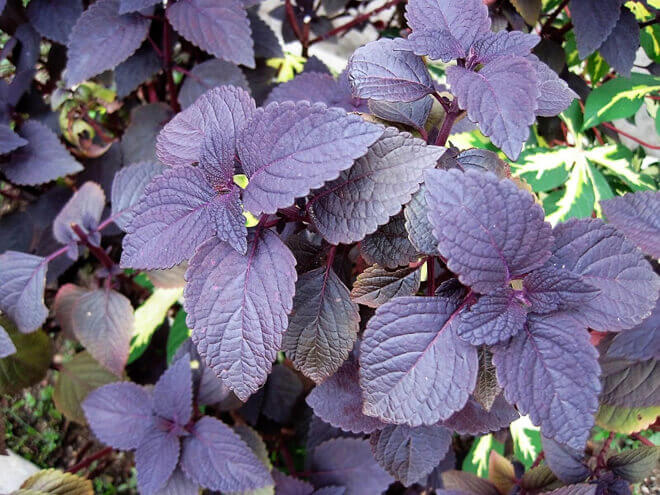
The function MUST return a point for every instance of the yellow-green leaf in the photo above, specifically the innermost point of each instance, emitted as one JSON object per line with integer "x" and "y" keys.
{"x": 54, "y": 482}
{"x": 576, "y": 200}
{"x": 626, "y": 420}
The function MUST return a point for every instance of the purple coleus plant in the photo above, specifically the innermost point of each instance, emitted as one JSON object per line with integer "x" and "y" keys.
{"x": 174, "y": 444}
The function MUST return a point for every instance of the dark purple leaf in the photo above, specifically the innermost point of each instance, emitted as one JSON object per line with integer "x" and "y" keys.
{"x": 219, "y": 27}
{"x": 554, "y": 94}
{"x": 208, "y": 75}
{"x": 22, "y": 283}
{"x": 413, "y": 114}
{"x": 266, "y": 44}
{"x": 173, "y": 393}
{"x": 9, "y": 140}
{"x": 605, "y": 259}
{"x": 41, "y": 160}
{"x": 594, "y": 21}
{"x": 490, "y": 231}
{"x": 127, "y": 6}
{"x": 288, "y": 485}
{"x": 101, "y": 39}
{"x": 119, "y": 414}
{"x": 379, "y": 72}
{"x": 389, "y": 245}
{"x": 550, "y": 371}
{"x": 156, "y": 457}
{"x": 410, "y": 454}
{"x": 283, "y": 390}
{"x": 504, "y": 44}
{"x": 550, "y": 288}
{"x": 238, "y": 306}
{"x": 466, "y": 483}
{"x": 413, "y": 367}
{"x": 621, "y": 45}
{"x": 629, "y": 384}
{"x": 54, "y": 19}
{"x": 319, "y": 431}
{"x": 139, "y": 139}
{"x": 639, "y": 343}
{"x": 323, "y": 325}
{"x": 83, "y": 209}
{"x": 338, "y": 401}
{"x": 216, "y": 458}
{"x": 473, "y": 419}
{"x": 501, "y": 98}
{"x": 298, "y": 147}
{"x": 227, "y": 109}
{"x": 377, "y": 285}
{"x": 637, "y": 215}
{"x": 446, "y": 30}
{"x": 314, "y": 87}
{"x": 434, "y": 480}
{"x": 634, "y": 466}
{"x": 315, "y": 64}
{"x": 494, "y": 318}
{"x": 483, "y": 161}
{"x": 7, "y": 347}
{"x": 136, "y": 69}
{"x": 566, "y": 463}
{"x": 102, "y": 170}
{"x": 579, "y": 489}
{"x": 373, "y": 189}
{"x": 418, "y": 226}
{"x": 128, "y": 188}
{"x": 102, "y": 320}
{"x": 331, "y": 490}
{"x": 348, "y": 462}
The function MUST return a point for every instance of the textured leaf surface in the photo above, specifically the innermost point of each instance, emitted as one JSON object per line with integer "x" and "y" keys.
{"x": 288, "y": 149}
{"x": 389, "y": 245}
{"x": 637, "y": 215}
{"x": 621, "y": 45}
{"x": 373, "y": 189}
{"x": 126, "y": 6}
{"x": 579, "y": 489}
{"x": 83, "y": 209}
{"x": 216, "y": 458}
{"x": 414, "y": 369}
{"x": 594, "y": 21}
{"x": 494, "y": 318}
{"x": 238, "y": 306}
{"x": 119, "y": 414}
{"x": 9, "y": 140}
{"x": 348, "y": 462}
{"x": 550, "y": 371}
{"x": 43, "y": 159}
{"x": 338, "y": 401}
{"x": 629, "y": 384}
{"x": 554, "y": 94}
{"x": 102, "y": 320}
{"x": 418, "y": 226}
{"x": 639, "y": 343}
{"x": 377, "y": 285}
{"x": 128, "y": 187}
{"x": 566, "y": 463}
{"x": 101, "y": 39}
{"x": 507, "y": 235}
{"x": 473, "y": 419}
{"x": 501, "y": 98}
{"x": 379, "y": 72}
{"x": 550, "y": 288}
{"x": 22, "y": 283}
{"x": 219, "y": 27}
{"x": 173, "y": 393}
{"x": 288, "y": 485}
{"x": 54, "y": 20}
{"x": 413, "y": 114}
{"x": 504, "y": 44}
{"x": 156, "y": 458}
{"x": 635, "y": 465}
{"x": 323, "y": 325}
{"x": 410, "y": 454}
{"x": 606, "y": 260}
{"x": 208, "y": 75}
{"x": 54, "y": 482}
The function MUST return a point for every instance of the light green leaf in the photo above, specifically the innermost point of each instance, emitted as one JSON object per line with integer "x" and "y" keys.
{"x": 597, "y": 67}
{"x": 526, "y": 440}
{"x": 573, "y": 118}
{"x": 545, "y": 169}
{"x": 477, "y": 458}
{"x": 616, "y": 159}
{"x": 576, "y": 200}
{"x": 601, "y": 188}
{"x": 179, "y": 332}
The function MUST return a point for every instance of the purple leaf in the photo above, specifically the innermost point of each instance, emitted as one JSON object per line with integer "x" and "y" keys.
{"x": 550, "y": 371}
{"x": 288, "y": 485}
{"x": 413, "y": 367}
{"x": 9, "y": 140}
{"x": 208, "y": 75}
{"x": 298, "y": 147}
{"x": 494, "y": 318}
{"x": 504, "y": 44}
{"x": 501, "y": 98}
{"x": 565, "y": 462}
{"x": 101, "y": 39}
{"x": 413, "y": 114}
{"x": 331, "y": 490}
{"x": 338, "y": 401}
{"x": 434, "y": 480}
{"x": 227, "y": 108}
{"x": 41, "y": 160}
{"x": 319, "y": 431}
{"x": 605, "y": 259}
{"x": 380, "y": 72}
{"x": 139, "y": 139}
{"x": 473, "y": 419}
{"x": 323, "y": 325}
{"x": 641, "y": 342}
{"x": 119, "y": 414}
{"x": 238, "y": 306}
{"x": 127, "y": 6}
{"x": 7, "y": 347}
{"x": 136, "y": 69}
{"x": 579, "y": 489}
{"x": 54, "y": 19}
{"x": 266, "y": 43}
{"x": 637, "y": 215}
{"x": 83, "y": 209}
{"x": 629, "y": 384}
{"x": 446, "y": 29}
{"x": 173, "y": 393}
{"x": 102, "y": 320}
{"x": 22, "y": 283}
{"x": 377, "y": 285}
{"x": 554, "y": 94}
{"x": 283, "y": 390}
{"x": 490, "y": 231}
{"x": 373, "y": 189}
{"x": 156, "y": 457}
{"x": 594, "y": 21}
{"x": 410, "y": 454}
{"x": 549, "y": 289}
{"x": 179, "y": 484}
{"x": 348, "y": 462}
{"x": 389, "y": 245}
{"x": 463, "y": 483}
{"x": 483, "y": 161}
{"x": 216, "y": 458}
{"x": 621, "y": 45}
{"x": 128, "y": 187}
{"x": 219, "y": 27}
{"x": 418, "y": 226}
{"x": 177, "y": 213}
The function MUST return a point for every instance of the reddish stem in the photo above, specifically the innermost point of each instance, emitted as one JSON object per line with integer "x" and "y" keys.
{"x": 97, "y": 251}
{"x": 643, "y": 440}
{"x": 87, "y": 461}
{"x": 600, "y": 460}
{"x": 293, "y": 22}
{"x": 551, "y": 18}
{"x": 630, "y": 136}
{"x": 538, "y": 459}
{"x": 447, "y": 124}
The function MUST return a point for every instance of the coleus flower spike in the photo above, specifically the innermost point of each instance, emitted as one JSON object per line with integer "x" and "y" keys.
{"x": 167, "y": 437}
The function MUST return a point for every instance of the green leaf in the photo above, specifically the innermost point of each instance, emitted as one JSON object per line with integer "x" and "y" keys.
{"x": 650, "y": 39}
{"x": 526, "y": 440}
{"x": 635, "y": 465}
{"x": 530, "y": 10}
{"x": 597, "y": 68}
{"x": 576, "y": 200}
{"x": 601, "y": 188}
{"x": 573, "y": 117}
{"x": 545, "y": 169}
{"x": 477, "y": 458}
{"x": 618, "y": 99}
{"x": 570, "y": 49}
{"x": 617, "y": 158}
{"x": 149, "y": 317}
{"x": 626, "y": 420}
{"x": 179, "y": 332}
{"x": 54, "y": 482}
